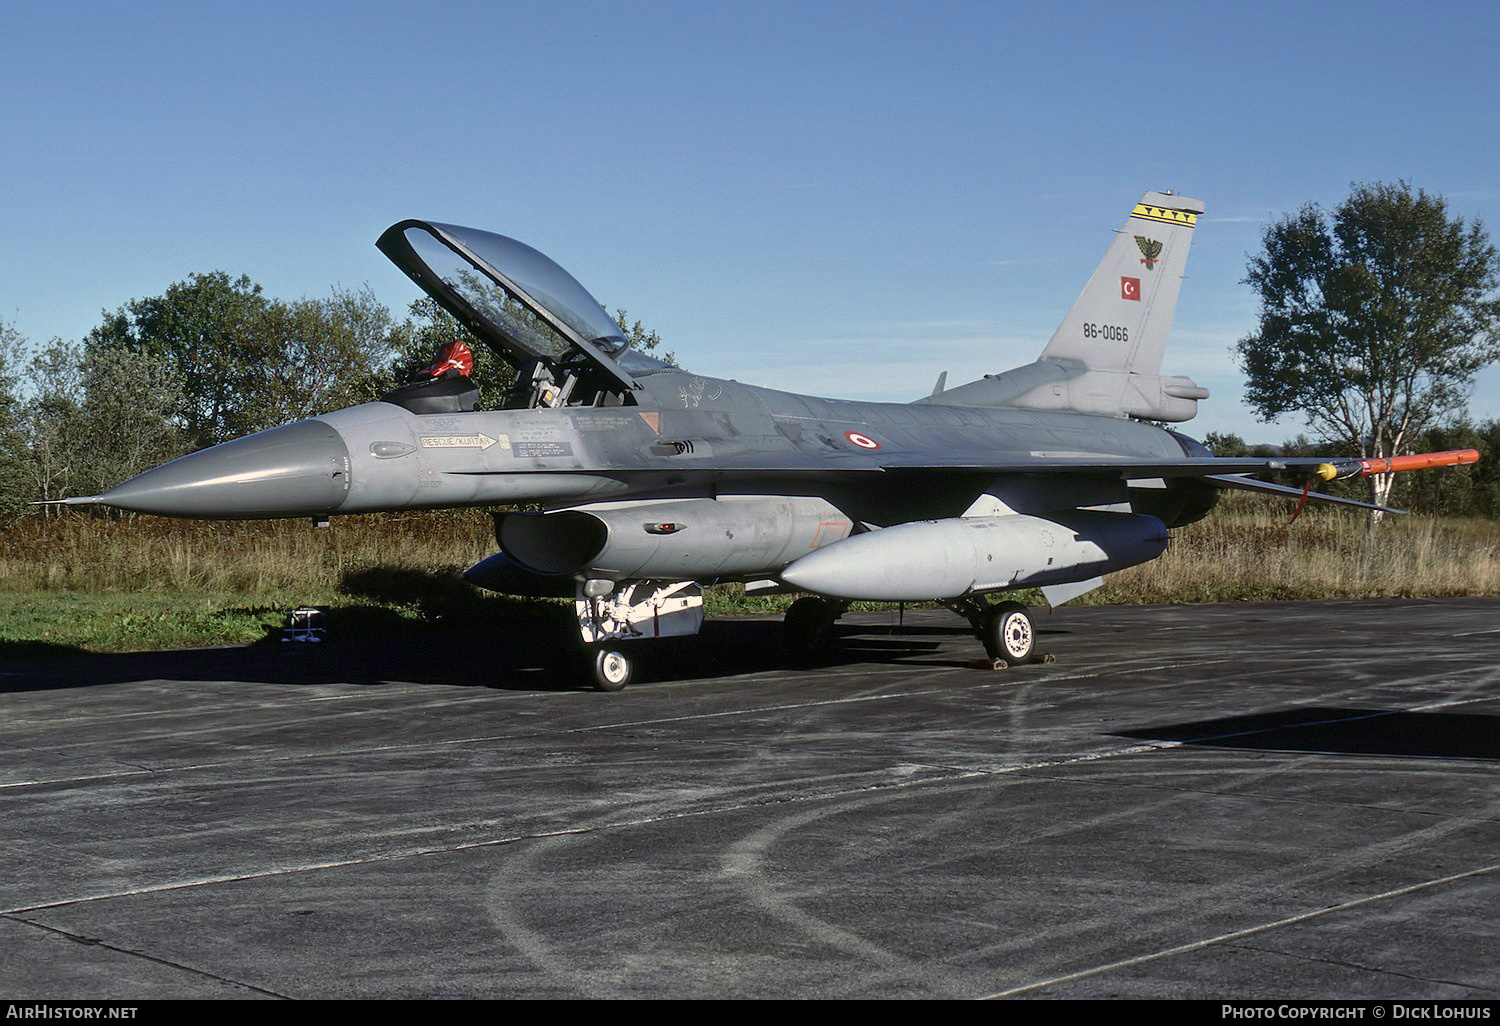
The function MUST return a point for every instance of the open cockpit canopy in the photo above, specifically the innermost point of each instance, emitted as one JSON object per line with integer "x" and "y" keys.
{"x": 522, "y": 304}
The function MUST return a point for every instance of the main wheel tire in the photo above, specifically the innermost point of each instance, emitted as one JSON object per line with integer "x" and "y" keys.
{"x": 808, "y": 629}
{"x": 1009, "y": 633}
{"x": 611, "y": 668}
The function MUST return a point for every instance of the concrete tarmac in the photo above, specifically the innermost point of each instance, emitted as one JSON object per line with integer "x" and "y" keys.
{"x": 1289, "y": 800}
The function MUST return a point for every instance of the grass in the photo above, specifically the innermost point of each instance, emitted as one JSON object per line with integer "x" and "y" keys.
{"x": 1247, "y": 551}
{"x": 83, "y": 582}
{"x": 74, "y": 581}
{"x": 34, "y": 623}
{"x": 83, "y": 553}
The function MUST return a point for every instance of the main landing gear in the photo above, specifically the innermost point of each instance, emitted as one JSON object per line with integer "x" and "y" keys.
{"x": 1005, "y": 629}
{"x": 808, "y": 630}
{"x": 616, "y": 618}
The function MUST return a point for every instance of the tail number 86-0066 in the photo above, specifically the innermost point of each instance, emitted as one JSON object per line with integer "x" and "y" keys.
{"x": 1107, "y": 332}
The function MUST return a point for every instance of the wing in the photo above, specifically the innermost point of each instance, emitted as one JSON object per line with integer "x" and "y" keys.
{"x": 1232, "y": 472}
{"x": 1226, "y": 472}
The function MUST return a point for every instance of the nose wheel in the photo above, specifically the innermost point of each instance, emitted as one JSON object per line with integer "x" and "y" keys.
{"x": 611, "y": 668}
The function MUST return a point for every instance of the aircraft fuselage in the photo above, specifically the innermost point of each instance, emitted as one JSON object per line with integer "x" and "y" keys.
{"x": 688, "y": 436}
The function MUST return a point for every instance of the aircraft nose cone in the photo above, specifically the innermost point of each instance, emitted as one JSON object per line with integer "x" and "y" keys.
{"x": 301, "y": 469}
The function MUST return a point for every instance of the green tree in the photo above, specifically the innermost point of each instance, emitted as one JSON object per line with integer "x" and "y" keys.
{"x": 640, "y": 339}
{"x": 1374, "y": 319}
{"x": 53, "y": 420}
{"x": 13, "y": 484}
{"x": 1230, "y": 444}
{"x": 319, "y": 351}
{"x": 203, "y": 332}
{"x": 1471, "y": 491}
{"x": 96, "y": 417}
{"x": 240, "y": 361}
{"x": 125, "y": 426}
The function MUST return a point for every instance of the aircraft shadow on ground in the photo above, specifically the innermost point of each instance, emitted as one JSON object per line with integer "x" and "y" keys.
{"x": 423, "y": 626}
{"x": 1335, "y": 731}
{"x": 539, "y": 652}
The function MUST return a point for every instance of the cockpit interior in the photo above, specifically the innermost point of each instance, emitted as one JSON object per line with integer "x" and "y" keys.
{"x": 564, "y": 346}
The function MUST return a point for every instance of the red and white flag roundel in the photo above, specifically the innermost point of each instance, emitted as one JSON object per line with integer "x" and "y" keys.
{"x": 1130, "y": 288}
{"x": 863, "y": 441}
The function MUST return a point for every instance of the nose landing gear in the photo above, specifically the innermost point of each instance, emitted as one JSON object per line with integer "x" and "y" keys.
{"x": 611, "y": 668}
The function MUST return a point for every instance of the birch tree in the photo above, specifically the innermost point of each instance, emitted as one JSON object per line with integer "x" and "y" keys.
{"x": 1374, "y": 319}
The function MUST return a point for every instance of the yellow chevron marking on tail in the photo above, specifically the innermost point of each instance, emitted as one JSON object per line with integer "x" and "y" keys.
{"x": 1166, "y": 215}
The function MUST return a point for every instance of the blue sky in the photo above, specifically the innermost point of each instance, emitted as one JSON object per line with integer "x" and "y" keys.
{"x": 838, "y": 198}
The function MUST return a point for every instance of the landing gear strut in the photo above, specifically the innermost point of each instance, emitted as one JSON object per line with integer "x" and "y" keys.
{"x": 614, "y": 616}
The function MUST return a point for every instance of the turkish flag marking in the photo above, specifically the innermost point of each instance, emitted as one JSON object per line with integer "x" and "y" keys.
{"x": 1130, "y": 288}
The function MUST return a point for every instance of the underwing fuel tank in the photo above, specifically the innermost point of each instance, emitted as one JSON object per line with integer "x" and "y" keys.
{"x": 946, "y": 559}
{"x": 684, "y": 540}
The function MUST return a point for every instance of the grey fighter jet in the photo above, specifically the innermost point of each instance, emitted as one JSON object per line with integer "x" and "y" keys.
{"x": 655, "y": 480}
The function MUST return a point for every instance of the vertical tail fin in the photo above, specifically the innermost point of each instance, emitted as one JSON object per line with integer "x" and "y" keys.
{"x": 1121, "y": 318}
{"x": 1105, "y": 357}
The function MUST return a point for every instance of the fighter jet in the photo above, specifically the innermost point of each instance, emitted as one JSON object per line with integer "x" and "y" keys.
{"x": 654, "y": 481}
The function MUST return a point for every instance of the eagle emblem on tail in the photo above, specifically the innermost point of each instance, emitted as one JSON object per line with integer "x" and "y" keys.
{"x": 1150, "y": 251}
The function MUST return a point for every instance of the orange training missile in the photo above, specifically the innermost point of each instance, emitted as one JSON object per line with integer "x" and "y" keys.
{"x": 1419, "y": 461}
